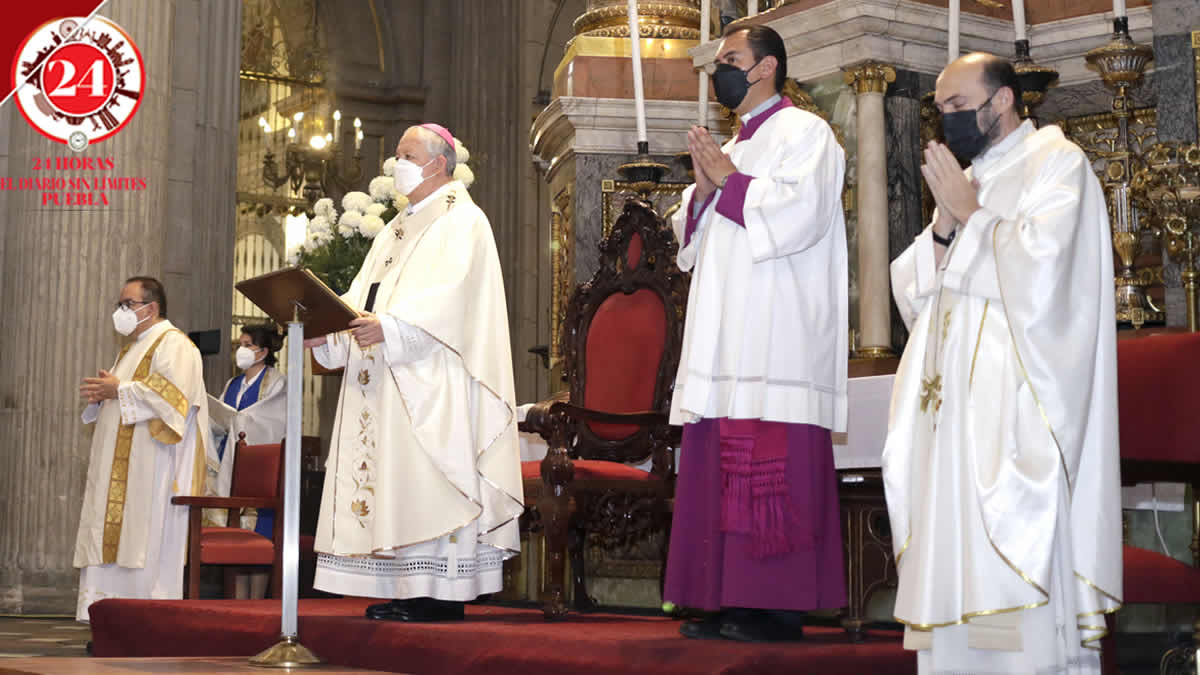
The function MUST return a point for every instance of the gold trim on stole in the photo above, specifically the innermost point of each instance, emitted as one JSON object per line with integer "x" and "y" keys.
{"x": 114, "y": 513}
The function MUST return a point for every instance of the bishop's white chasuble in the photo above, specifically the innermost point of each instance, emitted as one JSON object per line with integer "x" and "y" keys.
{"x": 423, "y": 484}
{"x": 1001, "y": 461}
{"x": 150, "y": 443}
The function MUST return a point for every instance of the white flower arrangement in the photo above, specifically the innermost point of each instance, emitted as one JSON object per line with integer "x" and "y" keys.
{"x": 335, "y": 246}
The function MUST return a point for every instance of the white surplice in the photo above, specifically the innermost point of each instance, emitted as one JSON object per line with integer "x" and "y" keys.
{"x": 264, "y": 421}
{"x": 1001, "y": 461}
{"x": 149, "y": 444}
{"x": 767, "y": 325}
{"x": 423, "y": 481}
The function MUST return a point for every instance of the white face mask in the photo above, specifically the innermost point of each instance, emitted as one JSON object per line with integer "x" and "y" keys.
{"x": 125, "y": 320}
{"x": 408, "y": 176}
{"x": 245, "y": 357}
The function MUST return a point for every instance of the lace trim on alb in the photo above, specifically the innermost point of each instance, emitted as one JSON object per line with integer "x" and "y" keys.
{"x": 412, "y": 566}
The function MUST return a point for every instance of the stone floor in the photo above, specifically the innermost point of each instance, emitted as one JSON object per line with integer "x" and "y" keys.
{"x": 22, "y": 637}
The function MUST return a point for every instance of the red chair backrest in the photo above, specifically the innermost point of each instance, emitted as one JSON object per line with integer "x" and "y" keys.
{"x": 1159, "y": 393}
{"x": 624, "y": 349}
{"x": 256, "y": 470}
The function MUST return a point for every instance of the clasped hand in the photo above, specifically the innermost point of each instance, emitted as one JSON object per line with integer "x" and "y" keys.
{"x": 711, "y": 165}
{"x": 956, "y": 197}
{"x": 99, "y": 388}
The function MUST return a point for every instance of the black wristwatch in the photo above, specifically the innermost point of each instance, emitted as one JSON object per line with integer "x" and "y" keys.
{"x": 944, "y": 241}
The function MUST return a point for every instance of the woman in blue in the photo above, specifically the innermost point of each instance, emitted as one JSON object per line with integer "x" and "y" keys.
{"x": 254, "y": 402}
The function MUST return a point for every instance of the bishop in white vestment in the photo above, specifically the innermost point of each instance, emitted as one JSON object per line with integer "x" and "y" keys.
{"x": 423, "y": 485}
{"x": 1001, "y": 461}
{"x": 151, "y": 442}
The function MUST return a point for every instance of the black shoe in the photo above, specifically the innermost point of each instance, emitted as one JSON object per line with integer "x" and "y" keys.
{"x": 704, "y": 629}
{"x": 88, "y": 648}
{"x": 386, "y": 610}
{"x": 764, "y": 626}
{"x": 417, "y": 610}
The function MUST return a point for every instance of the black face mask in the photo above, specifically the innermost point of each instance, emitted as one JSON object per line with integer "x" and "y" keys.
{"x": 730, "y": 84}
{"x": 963, "y": 135}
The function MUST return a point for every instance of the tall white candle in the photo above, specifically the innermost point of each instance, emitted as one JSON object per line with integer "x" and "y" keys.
{"x": 1019, "y": 18}
{"x": 954, "y": 13}
{"x": 752, "y": 7}
{"x": 1118, "y": 8}
{"x": 705, "y": 22}
{"x": 639, "y": 95}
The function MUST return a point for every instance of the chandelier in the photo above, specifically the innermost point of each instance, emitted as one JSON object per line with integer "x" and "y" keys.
{"x": 313, "y": 156}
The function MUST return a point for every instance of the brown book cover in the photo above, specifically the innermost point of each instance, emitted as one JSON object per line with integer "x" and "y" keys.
{"x": 281, "y": 292}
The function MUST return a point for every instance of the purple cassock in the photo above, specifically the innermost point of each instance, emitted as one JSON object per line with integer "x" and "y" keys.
{"x": 756, "y": 520}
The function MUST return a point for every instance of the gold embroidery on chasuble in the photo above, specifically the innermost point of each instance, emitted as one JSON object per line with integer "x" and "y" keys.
{"x": 114, "y": 512}
{"x": 362, "y": 467}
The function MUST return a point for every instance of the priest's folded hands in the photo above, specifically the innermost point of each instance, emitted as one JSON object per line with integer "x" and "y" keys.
{"x": 99, "y": 388}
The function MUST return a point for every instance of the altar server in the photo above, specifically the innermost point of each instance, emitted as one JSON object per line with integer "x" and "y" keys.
{"x": 151, "y": 442}
{"x": 1001, "y": 461}
{"x": 762, "y": 376}
{"x": 423, "y": 487}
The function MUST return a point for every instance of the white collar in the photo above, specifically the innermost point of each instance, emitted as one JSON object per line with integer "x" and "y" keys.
{"x": 999, "y": 150}
{"x": 413, "y": 208}
{"x": 762, "y": 107}
{"x": 157, "y": 328}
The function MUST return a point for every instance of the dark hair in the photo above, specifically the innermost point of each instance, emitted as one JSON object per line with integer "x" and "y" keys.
{"x": 997, "y": 73}
{"x": 152, "y": 291}
{"x": 265, "y": 335}
{"x": 764, "y": 42}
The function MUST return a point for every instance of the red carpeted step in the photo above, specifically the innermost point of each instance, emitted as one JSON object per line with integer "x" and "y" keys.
{"x": 493, "y": 640}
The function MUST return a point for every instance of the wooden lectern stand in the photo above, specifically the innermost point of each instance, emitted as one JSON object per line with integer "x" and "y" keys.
{"x": 296, "y": 298}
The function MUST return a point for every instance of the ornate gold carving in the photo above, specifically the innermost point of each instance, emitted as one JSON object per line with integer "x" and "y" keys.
{"x": 562, "y": 267}
{"x": 667, "y": 19}
{"x": 662, "y": 198}
{"x": 870, "y": 77}
{"x": 1114, "y": 161}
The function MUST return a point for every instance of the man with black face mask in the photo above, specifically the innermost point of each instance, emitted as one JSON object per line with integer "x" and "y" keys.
{"x": 1001, "y": 462}
{"x": 762, "y": 376}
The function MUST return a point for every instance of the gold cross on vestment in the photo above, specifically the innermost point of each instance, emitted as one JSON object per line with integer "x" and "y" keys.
{"x": 399, "y": 232}
{"x": 931, "y": 393}
{"x": 450, "y": 198}
{"x": 387, "y": 262}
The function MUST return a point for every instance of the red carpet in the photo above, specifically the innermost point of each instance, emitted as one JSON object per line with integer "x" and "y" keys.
{"x": 493, "y": 640}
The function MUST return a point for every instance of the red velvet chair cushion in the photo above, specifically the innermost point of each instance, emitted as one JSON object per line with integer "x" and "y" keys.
{"x": 234, "y": 546}
{"x": 1159, "y": 397}
{"x": 1152, "y": 577}
{"x": 624, "y": 348}
{"x": 256, "y": 471}
{"x": 592, "y": 469}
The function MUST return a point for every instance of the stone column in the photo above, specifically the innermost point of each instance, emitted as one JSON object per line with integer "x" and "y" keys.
{"x": 61, "y": 269}
{"x": 870, "y": 81}
{"x": 1175, "y": 78}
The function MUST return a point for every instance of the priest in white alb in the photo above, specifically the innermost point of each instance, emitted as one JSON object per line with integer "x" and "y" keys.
{"x": 756, "y": 535}
{"x": 1001, "y": 460}
{"x": 423, "y": 482}
{"x": 151, "y": 442}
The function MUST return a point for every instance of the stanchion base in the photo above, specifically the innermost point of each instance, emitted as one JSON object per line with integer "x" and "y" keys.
{"x": 287, "y": 653}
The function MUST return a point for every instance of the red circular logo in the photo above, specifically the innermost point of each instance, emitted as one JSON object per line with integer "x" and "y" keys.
{"x": 78, "y": 81}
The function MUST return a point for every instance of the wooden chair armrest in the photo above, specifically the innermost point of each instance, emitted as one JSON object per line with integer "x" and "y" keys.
{"x": 537, "y": 418}
{"x": 228, "y": 502}
{"x": 641, "y": 418}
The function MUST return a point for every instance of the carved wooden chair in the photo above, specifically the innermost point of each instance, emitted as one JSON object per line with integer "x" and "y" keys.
{"x": 621, "y": 340}
{"x": 257, "y": 484}
{"x": 1159, "y": 428}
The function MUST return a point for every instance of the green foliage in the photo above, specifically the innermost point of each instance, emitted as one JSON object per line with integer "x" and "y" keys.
{"x": 337, "y": 261}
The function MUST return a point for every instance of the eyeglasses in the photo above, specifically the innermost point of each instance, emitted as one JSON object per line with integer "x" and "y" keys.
{"x": 128, "y": 304}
